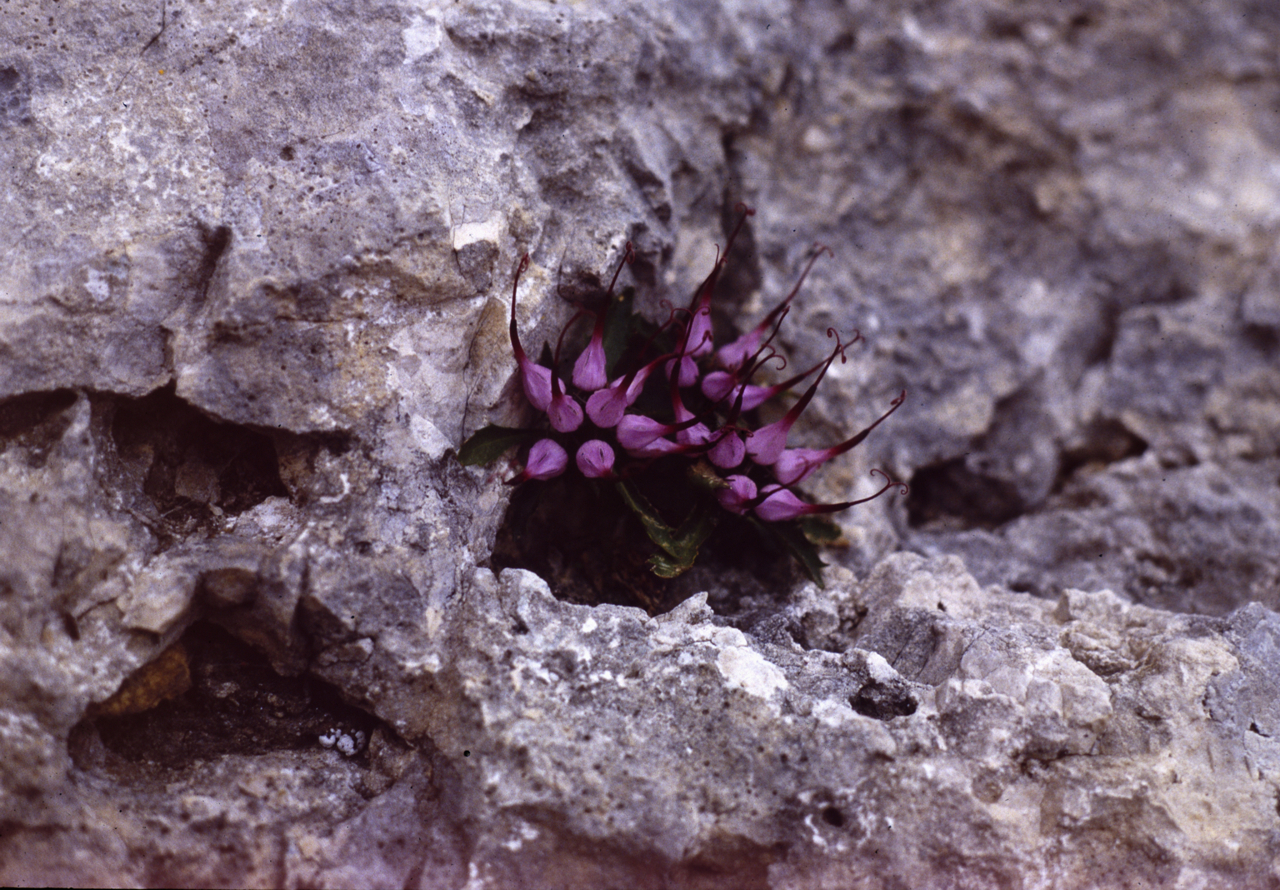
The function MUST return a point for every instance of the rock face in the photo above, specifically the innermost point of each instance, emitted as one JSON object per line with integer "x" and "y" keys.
{"x": 258, "y": 263}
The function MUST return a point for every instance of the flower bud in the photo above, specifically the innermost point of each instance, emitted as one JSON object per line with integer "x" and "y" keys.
{"x": 595, "y": 459}
{"x": 738, "y": 496}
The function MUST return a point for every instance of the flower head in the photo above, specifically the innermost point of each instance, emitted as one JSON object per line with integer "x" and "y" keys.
{"x": 617, "y": 421}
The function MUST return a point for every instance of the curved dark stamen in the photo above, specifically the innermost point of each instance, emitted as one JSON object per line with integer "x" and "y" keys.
{"x": 628, "y": 257}
{"x": 564, "y": 330}
{"x": 890, "y": 482}
{"x": 903, "y": 488}
{"x": 786, "y": 301}
{"x": 515, "y": 285}
{"x": 855, "y": 441}
{"x": 836, "y": 508}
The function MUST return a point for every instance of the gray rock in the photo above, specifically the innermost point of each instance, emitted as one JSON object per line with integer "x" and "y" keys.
{"x": 256, "y": 291}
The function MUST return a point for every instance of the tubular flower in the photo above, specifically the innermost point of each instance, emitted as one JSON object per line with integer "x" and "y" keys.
{"x": 735, "y": 354}
{"x": 796, "y": 464}
{"x": 595, "y": 459}
{"x": 547, "y": 459}
{"x": 778, "y": 504}
{"x": 766, "y": 443}
{"x": 589, "y": 370}
{"x": 739, "y": 496}
{"x": 535, "y": 378}
{"x": 607, "y": 407}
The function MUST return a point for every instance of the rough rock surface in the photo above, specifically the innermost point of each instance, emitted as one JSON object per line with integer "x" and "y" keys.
{"x": 257, "y": 263}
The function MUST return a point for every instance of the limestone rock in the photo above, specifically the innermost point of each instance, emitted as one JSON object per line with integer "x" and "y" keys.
{"x": 256, "y": 288}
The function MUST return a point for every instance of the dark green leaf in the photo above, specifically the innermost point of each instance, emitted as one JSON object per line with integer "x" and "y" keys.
{"x": 700, "y": 523}
{"x": 820, "y": 530}
{"x": 665, "y": 567}
{"x": 658, "y": 531}
{"x": 791, "y": 537}
{"x": 490, "y": 443}
{"x": 679, "y": 545}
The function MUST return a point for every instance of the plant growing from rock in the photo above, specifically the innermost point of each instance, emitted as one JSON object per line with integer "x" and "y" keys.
{"x": 667, "y": 417}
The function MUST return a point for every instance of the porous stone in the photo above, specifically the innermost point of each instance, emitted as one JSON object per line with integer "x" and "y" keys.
{"x": 257, "y": 277}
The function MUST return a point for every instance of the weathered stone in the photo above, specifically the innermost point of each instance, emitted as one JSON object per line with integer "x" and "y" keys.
{"x": 256, "y": 290}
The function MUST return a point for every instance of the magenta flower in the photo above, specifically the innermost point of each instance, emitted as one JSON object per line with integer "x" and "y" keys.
{"x": 595, "y": 459}
{"x": 547, "y": 459}
{"x": 563, "y": 411}
{"x": 589, "y": 372}
{"x": 721, "y": 385}
{"x": 739, "y": 496}
{"x": 636, "y": 431}
{"x": 778, "y": 504}
{"x": 606, "y": 406}
{"x": 623, "y": 431}
{"x": 766, "y": 444}
{"x": 535, "y": 378}
{"x": 796, "y": 464}
{"x": 729, "y": 451}
{"x": 735, "y": 354}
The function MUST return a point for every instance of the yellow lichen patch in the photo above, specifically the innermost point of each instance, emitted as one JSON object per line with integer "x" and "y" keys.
{"x": 165, "y": 678}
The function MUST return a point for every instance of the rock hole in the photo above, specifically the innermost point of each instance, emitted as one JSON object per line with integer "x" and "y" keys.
{"x": 579, "y": 536}
{"x": 952, "y": 492}
{"x": 33, "y": 423}
{"x": 882, "y": 702}
{"x": 1102, "y": 442}
{"x": 832, "y": 816}
{"x": 210, "y": 695}
{"x": 188, "y": 469}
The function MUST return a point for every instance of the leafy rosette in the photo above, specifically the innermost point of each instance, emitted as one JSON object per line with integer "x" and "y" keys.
{"x": 640, "y": 396}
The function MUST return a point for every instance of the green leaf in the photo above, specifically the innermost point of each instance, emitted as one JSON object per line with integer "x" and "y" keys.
{"x": 820, "y": 530}
{"x": 658, "y": 531}
{"x": 791, "y": 536}
{"x": 703, "y": 475}
{"x": 665, "y": 567}
{"x": 679, "y": 545}
{"x": 490, "y": 443}
{"x": 695, "y": 529}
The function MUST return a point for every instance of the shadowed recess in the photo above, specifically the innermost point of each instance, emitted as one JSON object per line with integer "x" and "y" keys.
{"x": 192, "y": 469}
{"x": 35, "y": 422}
{"x": 210, "y": 695}
{"x": 580, "y": 537}
{"x": 950, "y": 490}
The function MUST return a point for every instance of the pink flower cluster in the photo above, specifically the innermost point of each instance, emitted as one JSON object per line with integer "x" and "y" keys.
{"x": 593, "y": 414}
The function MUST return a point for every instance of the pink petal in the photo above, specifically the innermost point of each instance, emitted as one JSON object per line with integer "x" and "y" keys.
{"x": 537, "y": 383}
{"x": 565, "y": 413}
{"x": 728, "y": 452}
{"x": 595, "y": 459}
{"x": 546, "y": 459}
{"x": 765, "y": 444}
{"x": 738, "y": 495}
{"x": 588, "y": 370}
{"x": 637, "y": 431}
{"x": 605, "y": 407}
{"x": 797, "y": 464}
{"x": 781, "y": 506}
